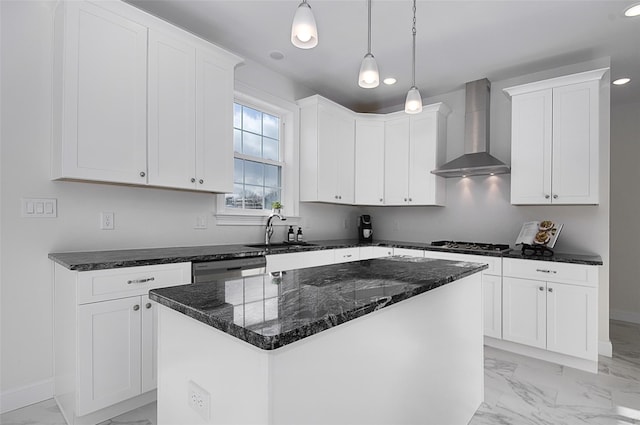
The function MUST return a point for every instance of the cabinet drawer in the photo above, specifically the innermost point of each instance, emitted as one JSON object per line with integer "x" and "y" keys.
{"x": 109, "y": 284}
{"x": 345, "y": 255}
{"x": 494, "y": 263}
{"x": 369, "y": 252}
{"x": 551, "y": 271}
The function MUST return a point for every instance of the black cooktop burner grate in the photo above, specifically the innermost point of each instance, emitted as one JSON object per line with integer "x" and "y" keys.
{"x": 472, "y": 246}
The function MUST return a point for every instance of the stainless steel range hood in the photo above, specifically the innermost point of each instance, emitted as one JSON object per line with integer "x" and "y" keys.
{"x": 476, "y": 159}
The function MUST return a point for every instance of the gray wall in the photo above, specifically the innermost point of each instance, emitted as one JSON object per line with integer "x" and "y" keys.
{"x": 625, "y": 212}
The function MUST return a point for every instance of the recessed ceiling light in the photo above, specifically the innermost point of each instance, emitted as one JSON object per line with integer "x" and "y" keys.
{"x": 389, "y": 80}
{"x": 621, "y": 81}
{"x": 633, "y": 10}
{"x": 276, "y": 55}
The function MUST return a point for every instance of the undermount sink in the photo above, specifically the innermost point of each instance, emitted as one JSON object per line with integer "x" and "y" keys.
{"x": 280, "y": 245}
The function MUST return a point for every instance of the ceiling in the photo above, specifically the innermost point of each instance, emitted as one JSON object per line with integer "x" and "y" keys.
{"x": 457, "y": 41}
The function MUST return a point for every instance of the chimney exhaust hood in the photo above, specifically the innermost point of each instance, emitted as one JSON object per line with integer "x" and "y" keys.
{"x": 476, "y": 160}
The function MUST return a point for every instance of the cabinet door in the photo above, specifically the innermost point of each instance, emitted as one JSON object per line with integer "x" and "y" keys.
{"x": 369, "y": 162}
{"x": 492, "y": 305}
{"x": 572, "y": 313}
{"x": 332, "y": 130}
{"x": 214, "y": 123}
{"x": 423, "y": 137}
{"x": 149, "y": 344}
{"x": 396, "y": 165}
{"x": 575, "y": 144}
{"x": 104, "y": 93}
{"x": 108, "y": 353}
{"x": 172, "y": 104}
{"x": 524, "y": 311}
{"x": 531, "y": 148}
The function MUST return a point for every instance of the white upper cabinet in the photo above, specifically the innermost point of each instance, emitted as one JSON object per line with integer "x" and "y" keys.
{"x": 139, "y": 101}
{"x": 327, "y": 149}
{"x": 99, "y": 95}
{"x": 415, "y": 145}
{"x": 369, "y": 160}
{"x": 555, "y": 140}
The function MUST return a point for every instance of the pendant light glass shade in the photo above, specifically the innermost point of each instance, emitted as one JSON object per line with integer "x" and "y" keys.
{"x": 369, "y": 75}
{"x": 304, "y": 33}
{"x": 413, "y": 104}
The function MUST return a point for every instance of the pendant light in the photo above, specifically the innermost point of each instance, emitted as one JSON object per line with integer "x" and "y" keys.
{"x": 413, "y": 104}
{"x": 304, "y": 33}
{"x": 369, "y": 76}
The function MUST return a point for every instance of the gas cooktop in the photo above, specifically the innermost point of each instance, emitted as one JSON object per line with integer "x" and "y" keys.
{"x": 472, "y": 246}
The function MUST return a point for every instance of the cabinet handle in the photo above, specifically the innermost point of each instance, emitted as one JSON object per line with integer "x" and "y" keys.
{"x": 348, "y": 256}
{"x": 142, "y": 174}
{"x": 148, "y": 305}
{"x": 193, "y": 180}
{"x": 546, "y": 271}
{"x": 149, "y": 279}
{"x": 136, "y": 307}
{"x": 541, "y": 288}
{"x": 555, "y": 196}
{"x": 546, "y": 196}
{"x": 550, "y": 289}
{"x": 200, "y": 181}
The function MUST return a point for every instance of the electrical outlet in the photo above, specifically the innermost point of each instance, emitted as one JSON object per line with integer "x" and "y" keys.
{"x": 201, "y": 222}
{"x": 199, "y": 400}
{"x": 106, "y": 221}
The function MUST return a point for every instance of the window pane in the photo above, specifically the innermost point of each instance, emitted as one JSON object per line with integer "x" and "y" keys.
{"x": 234, "y": 200}
{"x": 270, "y": 149}
{"x": 271, "y": 126}
{"x": 251, "y": 120}
{"x": 237, "y": 115}
{"x": 251, "y": 144}
{"x": 254, "y": 197}
{"x": 253, "y": 173}
{"x": 238, "y": 171}
{"x": 272, "y": 194}
{"x": 271, "y": 175}
{"x": 237, "y": 140}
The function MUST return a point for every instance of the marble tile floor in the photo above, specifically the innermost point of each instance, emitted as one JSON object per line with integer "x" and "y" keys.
{"x": 518, "y": 391}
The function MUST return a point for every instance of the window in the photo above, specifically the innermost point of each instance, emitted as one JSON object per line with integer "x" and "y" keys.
{"x": 257, "y": 159}
{"x": 265, "y": 159}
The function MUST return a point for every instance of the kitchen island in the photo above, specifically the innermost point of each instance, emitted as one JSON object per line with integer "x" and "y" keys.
{"x": 386, "y": 341}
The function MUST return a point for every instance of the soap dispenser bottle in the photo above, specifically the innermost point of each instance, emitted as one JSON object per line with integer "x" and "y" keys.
{"x": 299, "y": 237}
{"x": 291, "y": 237}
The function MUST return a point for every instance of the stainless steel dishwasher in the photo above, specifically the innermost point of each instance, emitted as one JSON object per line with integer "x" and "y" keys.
{"x": 224, "y": 269}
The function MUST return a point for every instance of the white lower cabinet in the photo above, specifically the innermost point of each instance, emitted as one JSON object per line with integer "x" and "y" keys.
{"x": 370, "y": 252}
{"x": 299, "y": 260}
{"x": 557, "y": 312}
{"x": 106, "y": 338}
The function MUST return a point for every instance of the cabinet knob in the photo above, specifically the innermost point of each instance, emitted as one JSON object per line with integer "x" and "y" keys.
{"x": 555, "y": 196}
{"x": 148, "y": 305}
{"x": 405, "y": 199}
{"x": 546, "y": 196}
{"x": 381, "y": 200}
{"x": 142, "y": 174}
{"x": 541, "y": 288}
{"x": 335, "y": 196}
{"x": 550, "y": 289}
{"x": 410, "y": 199}
{"x": 193, "y": 180}
{"x": 136, "y": 307}
{"x": 200, "y": 181}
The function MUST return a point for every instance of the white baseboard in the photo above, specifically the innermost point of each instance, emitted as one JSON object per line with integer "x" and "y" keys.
{"x": 625, "y": 316}
{"x": 605, "y": 348}
{"x": 24, "y": 396}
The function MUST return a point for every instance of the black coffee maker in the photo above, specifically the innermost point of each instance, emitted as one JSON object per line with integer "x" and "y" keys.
{"x": 365, "y": 231}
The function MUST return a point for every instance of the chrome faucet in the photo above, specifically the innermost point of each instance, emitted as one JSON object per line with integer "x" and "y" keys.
{"x": 268, "y": 231}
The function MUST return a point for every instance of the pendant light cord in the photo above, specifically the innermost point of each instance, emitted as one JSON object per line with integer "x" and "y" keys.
{"x": 414, "y": 42}
{"x": 369, "y": 40}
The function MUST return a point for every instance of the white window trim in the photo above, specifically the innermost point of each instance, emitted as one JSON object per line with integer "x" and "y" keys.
{"x": 290, "y": 115}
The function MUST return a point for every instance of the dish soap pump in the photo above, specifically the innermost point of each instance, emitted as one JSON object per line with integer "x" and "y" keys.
{"x": 291, "y": 237}
{"x": 299, "y": 235}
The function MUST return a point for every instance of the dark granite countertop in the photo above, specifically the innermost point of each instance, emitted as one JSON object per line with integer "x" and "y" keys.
{"x": 271, "y": 312}
{"x": 98, "y": 260}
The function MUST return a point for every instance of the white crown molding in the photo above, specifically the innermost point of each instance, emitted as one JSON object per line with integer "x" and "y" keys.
{"x": 565, "y": 80}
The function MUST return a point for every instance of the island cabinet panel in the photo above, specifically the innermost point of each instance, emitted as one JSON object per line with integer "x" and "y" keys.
{"x": 139, "y": 101}
{"x": 105, "y": 338}
{"x": 327, "y": 151}
{"x": 555, "y": 140}
{"x": 369, "y": 161}
{"x": 99, "y": 95}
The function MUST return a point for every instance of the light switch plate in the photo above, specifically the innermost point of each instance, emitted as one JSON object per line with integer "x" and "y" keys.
{"x": 39, "y": 207}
